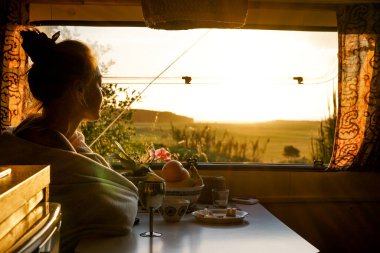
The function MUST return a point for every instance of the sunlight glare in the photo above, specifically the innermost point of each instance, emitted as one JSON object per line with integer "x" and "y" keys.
{"x": 237, "y": 75}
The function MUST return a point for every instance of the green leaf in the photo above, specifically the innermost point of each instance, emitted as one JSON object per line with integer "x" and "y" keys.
{"x": 121, "y": 148}
{"x": 127, "y": 163}
{"x": 142, "y": 171}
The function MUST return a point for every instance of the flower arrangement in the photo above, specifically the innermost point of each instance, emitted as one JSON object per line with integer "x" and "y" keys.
{"x": 139, "y": 164}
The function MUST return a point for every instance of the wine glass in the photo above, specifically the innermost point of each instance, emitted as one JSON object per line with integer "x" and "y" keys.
{"x": 151, "y": 195}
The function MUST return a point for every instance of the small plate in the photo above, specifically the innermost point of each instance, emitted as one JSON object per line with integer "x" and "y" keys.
{"x": 218, "y": 216}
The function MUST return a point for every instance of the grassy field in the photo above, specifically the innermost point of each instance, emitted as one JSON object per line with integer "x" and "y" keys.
{"x": 279, "y": 133}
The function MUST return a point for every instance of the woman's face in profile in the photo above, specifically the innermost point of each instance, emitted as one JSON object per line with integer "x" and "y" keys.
{"x": 93, "y": 97}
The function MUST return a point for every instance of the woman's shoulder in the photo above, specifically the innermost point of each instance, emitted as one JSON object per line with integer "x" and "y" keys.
{"x": 31, "y": 130}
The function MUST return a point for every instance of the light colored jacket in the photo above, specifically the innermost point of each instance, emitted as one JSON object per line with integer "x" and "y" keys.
{"x": 95, "y": 199}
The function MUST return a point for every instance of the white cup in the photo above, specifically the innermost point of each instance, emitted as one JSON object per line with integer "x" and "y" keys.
{"x": 172, "y": 210}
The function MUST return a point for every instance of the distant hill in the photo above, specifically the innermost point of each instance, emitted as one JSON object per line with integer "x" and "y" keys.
{"x": 147, "y": 116}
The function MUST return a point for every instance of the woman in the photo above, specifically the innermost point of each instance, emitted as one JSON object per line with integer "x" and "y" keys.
{"x": 65, "y": 80}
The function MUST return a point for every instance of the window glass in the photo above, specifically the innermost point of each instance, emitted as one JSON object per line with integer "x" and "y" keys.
{"x": 222, "y": 95}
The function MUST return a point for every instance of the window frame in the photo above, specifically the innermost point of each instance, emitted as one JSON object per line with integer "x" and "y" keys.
{"x": 237, "y": 166}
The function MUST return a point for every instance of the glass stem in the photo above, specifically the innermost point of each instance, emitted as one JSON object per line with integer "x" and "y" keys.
{"x": 151, "y": 221}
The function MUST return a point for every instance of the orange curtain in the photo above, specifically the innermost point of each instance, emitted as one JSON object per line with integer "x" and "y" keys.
{"x": 13, "y": 63}
{"x": 357, "y": 136}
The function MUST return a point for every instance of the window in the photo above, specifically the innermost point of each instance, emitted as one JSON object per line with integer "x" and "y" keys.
{"x": 223, "y": 95}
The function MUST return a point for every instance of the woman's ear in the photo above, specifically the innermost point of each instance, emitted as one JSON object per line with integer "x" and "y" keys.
{"x": 79, "y": 85}
{"x": 79, "y": 92}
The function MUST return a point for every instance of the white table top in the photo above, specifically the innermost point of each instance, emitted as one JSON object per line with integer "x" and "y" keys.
{"x": 260, "y": 232}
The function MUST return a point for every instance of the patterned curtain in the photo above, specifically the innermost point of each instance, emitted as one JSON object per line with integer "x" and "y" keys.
{"x": 13, "y": 63}
{"x": 357, "y": 136}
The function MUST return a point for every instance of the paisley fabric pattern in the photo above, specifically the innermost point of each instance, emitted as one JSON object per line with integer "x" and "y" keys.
{"x": 13, "y": 64}
{"x": 358, "y": 125}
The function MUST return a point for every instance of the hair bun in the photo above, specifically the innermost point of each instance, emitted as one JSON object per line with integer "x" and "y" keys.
{"x": 38, "y": 45}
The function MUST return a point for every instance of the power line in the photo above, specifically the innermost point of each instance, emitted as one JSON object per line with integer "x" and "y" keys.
{"x": 325, "y": 81}
{"x": 154, "y": 79}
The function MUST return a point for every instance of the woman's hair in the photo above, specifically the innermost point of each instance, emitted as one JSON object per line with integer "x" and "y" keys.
{"x": 55, "y": 66}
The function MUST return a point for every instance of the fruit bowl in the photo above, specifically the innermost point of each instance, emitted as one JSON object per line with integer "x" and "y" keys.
{"x": 190, "y": 193}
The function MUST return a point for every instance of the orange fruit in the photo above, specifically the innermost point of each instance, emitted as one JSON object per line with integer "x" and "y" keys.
{"x": 173, "y": 171}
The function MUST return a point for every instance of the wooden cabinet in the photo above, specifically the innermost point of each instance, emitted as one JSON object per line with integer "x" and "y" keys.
{"x": 24, "y": 206}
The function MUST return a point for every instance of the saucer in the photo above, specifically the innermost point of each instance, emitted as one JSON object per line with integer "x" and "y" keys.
{"x": 218, "y": 216}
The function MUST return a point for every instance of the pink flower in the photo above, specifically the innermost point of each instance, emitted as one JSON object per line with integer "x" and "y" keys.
{"x": 162, "y": 154}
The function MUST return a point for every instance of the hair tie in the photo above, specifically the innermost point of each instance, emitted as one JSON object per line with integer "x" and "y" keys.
{"x": 38, "y": 45}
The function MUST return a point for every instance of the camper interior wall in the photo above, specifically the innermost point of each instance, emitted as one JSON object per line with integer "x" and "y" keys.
{"x": 294, "y": 15}
{"x": 335, "y": 211}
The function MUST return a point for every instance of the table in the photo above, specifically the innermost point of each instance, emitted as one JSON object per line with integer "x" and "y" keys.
{"x": 260, "y": 232}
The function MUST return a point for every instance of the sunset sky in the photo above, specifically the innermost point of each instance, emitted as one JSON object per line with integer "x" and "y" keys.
{"x": 237, "y": 75}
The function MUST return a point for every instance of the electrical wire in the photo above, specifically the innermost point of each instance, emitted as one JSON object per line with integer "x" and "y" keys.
{"x": 325, "y": 81}
{"x": 146, "y": 87}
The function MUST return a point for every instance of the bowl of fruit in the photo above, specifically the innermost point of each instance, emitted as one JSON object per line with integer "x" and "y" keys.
{"x": 182, "y": 183}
